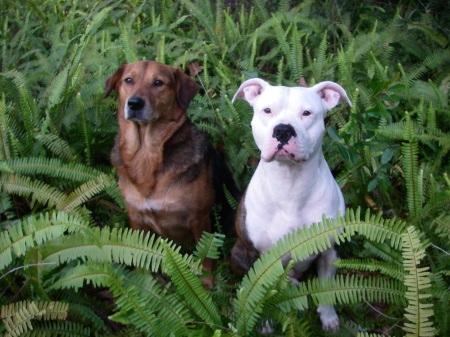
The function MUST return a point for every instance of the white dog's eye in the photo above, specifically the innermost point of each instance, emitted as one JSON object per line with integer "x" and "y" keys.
{"x": 307, "y": 113}
{"x": 267, "y": 110}
{"x": 158, "y": 83}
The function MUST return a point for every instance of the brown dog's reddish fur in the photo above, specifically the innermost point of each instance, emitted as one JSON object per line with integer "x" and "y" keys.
{"x": 164, "y": 163}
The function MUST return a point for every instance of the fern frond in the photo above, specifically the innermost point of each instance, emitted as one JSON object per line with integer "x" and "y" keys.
{"x": 262, "y": 8}
{"x": 56, "y": 90}
{"x": 54, "y": 168}
{"x": 139, "y": 296}
{"x": 85, "y": 132}
{"x": 132, "y": 248}
{"x": 372, "y": 266}
{"x": 127, "y": 43}
{"x": 17, "y": 316}
{"x": 203, "y": 13}
{"x": 383, "y": 251}
{"x": 410, "y": 150}
{"x": 84, "y": 313}
{"x": 343, "y": 289}
{"x": 5, "y": 151}
{"x": 60, "y": 328}
{"x": 85, "y": 192}
{"x": 137, "y": 314}
{"x": 34, "y": 231}
{"x": 209, "y": 245}
{"x": 417, "y": 280}
{"x": 320, "y": 60}
{"x": 59, "y": 147}
{"x": 75, "y": 277}
{"x": 292, "y": 325}
{"x": 190, "y": 287}
{"x": 37, "y": 190}
{"x": 301, "y": 244}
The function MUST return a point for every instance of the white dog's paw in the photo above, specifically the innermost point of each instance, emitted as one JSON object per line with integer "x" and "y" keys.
{"x": 329, "y": 318}
{"x": 294, "y": 281}
{"x": 267, "y": 329}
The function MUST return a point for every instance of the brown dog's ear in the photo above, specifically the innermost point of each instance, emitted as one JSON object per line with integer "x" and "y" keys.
{"x": 186, "y": 87}
{"x": 111, "y": 82}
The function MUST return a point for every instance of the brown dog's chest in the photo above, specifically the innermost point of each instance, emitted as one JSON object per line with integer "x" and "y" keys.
{"x": 170, "y": 210}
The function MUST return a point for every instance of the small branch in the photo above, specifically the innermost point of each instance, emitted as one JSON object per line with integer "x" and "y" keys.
{"x": 28, "y": 265}
{"x": 378, "y": 311}
{"x": 434, "y": 246}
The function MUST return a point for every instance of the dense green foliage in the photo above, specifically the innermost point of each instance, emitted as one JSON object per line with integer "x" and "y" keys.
{"x": 64, "y": 235}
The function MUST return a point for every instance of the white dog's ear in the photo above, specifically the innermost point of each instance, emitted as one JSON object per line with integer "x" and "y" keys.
{"x": 331, "y": 93}
{"x": 250, "y": 89}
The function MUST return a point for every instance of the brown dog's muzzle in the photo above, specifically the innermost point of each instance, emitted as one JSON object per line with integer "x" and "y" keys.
{"x": 137, "y": 110}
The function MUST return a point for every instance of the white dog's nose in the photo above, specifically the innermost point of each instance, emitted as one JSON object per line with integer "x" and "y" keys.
{"x": 282, "y": 133}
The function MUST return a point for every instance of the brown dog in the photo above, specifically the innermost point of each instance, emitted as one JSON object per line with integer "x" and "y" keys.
{"x": 166, "y": 166}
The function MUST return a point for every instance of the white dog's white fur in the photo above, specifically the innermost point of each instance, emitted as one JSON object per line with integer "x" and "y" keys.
{"x": 292, "y": 186}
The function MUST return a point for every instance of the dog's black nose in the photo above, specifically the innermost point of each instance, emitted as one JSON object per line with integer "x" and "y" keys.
{"x": 283, "y": 132}
{"x": 135, "y": 103}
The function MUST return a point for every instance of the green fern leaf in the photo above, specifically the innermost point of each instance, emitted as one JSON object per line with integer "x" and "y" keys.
{"x": 34, "y": 231}
{"x": 125, "y": 246}
{"x": 54, "y": 168}
{"x": 190, "y": 287}
{"x": 140, "y": 315}
{"x": 132, "y": 248}
{"x": 5, "y": 147}
{"x": 410, "y": 150}
{"x": 301, "y": 244}
{"x": 60, "y": 328}
{"x": 417, "y": 280}
{"x": 126, "y": 42}
{"x": 57, "y": 146}
{"x": 341, "y": 289}
{"x": 24, "y": 186}
{"x": 75, "y": 277}
{"x": 17, "y": 316}
{"x": 84, "y": 192}
{"x": 209, "y": 245}
{"x": 320, "y": 60}
{"x": 372, "y": 266}
{"x": 143, "y": 303}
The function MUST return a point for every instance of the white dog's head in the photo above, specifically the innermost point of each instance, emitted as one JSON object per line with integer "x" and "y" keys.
{"x": 288, "y": 122}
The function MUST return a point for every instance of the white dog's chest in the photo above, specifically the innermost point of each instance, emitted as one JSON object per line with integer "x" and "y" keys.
{"x": 267, "y": 224}
{"x": 277, "y": 206}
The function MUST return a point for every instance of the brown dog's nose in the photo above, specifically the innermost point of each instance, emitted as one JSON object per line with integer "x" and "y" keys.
{"x": 135, "y": 103}
{"x": 283, "y": 132}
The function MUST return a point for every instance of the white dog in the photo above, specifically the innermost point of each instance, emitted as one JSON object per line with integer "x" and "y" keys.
{"x": 292, "y": 186}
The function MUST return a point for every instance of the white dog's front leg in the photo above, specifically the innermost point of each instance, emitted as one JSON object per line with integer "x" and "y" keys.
{"x": 325, "y": 269}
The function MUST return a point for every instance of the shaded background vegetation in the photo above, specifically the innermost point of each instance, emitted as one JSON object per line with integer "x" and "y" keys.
{"x": 59, "y": 201}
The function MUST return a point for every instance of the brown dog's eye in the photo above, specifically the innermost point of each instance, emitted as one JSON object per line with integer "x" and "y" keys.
{"x": 307, "y": 113}
{"x": 267, "y": 110}
{"x": 128, "y": 80}
{"x": 158, "y": 83}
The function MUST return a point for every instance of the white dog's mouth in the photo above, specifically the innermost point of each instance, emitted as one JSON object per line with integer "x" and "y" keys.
{"x": 282, "y": 154}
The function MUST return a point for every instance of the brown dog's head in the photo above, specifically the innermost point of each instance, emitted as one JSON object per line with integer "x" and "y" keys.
{"x": 149, "y": 90}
